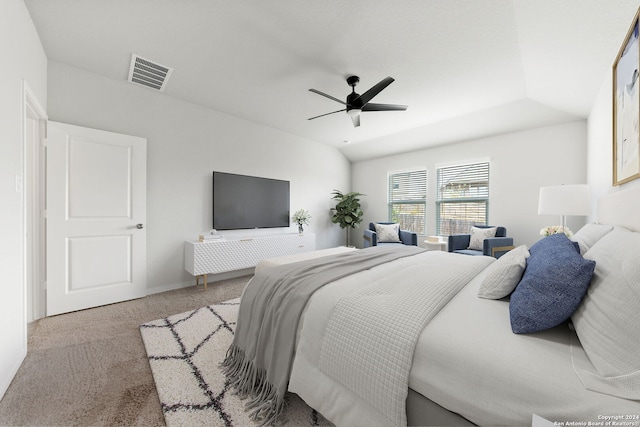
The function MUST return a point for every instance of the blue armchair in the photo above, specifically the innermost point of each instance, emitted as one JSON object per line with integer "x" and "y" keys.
{"x": 405, "y": 237}
{"x": 492, "y": 246}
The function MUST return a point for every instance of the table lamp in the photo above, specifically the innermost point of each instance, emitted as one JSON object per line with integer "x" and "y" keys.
{"x": 564, "y": 200}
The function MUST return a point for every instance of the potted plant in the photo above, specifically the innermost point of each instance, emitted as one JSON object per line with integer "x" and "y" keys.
{"x": 347, "y": 213}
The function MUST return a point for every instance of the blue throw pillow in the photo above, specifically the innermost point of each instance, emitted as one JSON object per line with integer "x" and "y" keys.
{"x": 555, "y": 280}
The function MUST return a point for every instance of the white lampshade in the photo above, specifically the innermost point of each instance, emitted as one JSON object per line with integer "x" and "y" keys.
{"x": 564, "y": 200}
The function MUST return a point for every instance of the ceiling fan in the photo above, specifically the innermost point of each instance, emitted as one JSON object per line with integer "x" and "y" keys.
{"x": 358, "y": 103}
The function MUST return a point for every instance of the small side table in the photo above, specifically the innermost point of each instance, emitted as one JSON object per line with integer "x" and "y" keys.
{"x": 435, "y": 243}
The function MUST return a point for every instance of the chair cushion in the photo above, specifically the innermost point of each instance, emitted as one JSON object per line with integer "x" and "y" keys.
{"x": 478, "y": 235}
{"x": 468, "y": 252}
{"x": 555, "y": 281}
{"x": 388, "y": 233}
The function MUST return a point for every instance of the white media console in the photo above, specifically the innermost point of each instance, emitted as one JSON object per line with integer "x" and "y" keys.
{"x": 228, "y": 254}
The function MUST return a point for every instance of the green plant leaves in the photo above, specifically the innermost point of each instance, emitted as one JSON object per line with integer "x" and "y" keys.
{"x": 348, "y": 212}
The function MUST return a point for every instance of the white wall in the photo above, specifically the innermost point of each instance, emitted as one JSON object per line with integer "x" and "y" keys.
{"x": 521, "y": 163}
{"x": 22, "y": 59}
{"x": 186, "y": 143}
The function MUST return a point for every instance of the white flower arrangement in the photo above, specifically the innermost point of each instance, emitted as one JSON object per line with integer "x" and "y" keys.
{"x": 301, "y": 217}
{"x": 555, "y": 229}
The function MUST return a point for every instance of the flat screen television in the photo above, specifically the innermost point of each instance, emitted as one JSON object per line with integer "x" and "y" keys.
{"x": 241, "y": 202}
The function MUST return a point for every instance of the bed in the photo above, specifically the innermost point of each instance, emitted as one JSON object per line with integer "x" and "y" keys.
{"x": 465, "y": 365}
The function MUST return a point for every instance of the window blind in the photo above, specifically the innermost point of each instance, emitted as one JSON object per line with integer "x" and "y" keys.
{"x": 463, "y": 198}
{"x": 408, "y": 200}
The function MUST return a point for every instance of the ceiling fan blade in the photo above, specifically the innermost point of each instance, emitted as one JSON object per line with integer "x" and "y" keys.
{"x": 368, "y": 95}
{"x": 326, "y": 114}
{"x": 383, "y": 107}
{"x": 327, "y": 96}
{"x": 356, "y": 120}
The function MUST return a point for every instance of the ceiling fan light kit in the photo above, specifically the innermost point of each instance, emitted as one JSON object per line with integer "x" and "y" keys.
{"x": 357, "y": 103}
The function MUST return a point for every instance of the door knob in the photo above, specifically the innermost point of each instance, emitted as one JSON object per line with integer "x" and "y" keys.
{"x": 139, "y": 226}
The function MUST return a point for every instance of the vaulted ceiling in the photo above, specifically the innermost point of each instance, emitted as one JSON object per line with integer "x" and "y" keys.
{"x": 465, "y": 68}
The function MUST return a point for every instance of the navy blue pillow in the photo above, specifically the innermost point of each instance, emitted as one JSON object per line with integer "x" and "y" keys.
{"x": 554, "y": 282}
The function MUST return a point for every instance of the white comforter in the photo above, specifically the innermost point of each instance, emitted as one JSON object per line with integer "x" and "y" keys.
{"x": 469, "y": 361}
{"x": 355, "y": 375}
{"x": 466, "y": 360}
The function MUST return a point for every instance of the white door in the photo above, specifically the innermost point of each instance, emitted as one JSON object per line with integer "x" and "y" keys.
{"x": 96, "y": 212}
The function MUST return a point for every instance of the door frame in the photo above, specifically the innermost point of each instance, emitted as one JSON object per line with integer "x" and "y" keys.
{"x": 32, "y": 185}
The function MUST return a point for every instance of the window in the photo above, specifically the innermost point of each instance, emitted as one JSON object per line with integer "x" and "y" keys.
{"x": 463, "y": 198}
{"x": 408, "y": 200}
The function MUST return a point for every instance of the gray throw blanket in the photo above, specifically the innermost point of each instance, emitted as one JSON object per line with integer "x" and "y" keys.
{"x": 258, "y": 362}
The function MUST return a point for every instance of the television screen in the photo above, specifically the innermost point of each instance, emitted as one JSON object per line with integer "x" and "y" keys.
{"x": 241, "y": 201}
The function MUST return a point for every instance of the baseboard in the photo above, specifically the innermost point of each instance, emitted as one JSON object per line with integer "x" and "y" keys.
{"x": 7, "y": 377}
{"x": 211, "y": 279}
{"x": 30, "y": 327}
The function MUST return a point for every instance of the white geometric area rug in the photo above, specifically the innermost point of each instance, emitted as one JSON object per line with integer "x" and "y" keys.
{"x": 184, "y": 353}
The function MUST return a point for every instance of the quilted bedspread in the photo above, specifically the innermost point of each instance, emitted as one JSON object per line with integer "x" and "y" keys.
{"x": 358, "y": 336}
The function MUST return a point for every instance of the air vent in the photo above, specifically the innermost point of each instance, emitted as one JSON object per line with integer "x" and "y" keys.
{"x": 148, "y": 73}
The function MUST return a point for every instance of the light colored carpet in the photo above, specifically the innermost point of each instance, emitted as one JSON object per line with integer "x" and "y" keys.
{"x": 90, "y": 368}
{"x": 185, "y": 351}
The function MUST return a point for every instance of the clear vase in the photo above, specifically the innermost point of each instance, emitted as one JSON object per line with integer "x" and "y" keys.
{"x": 300, "y": 229}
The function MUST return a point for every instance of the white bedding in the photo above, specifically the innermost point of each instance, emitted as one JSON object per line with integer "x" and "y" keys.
{"x": 286, "y": 259}
{"x": 473, "y": 335}
{"x": 430, "y": 279}
{"x": 467, "y": 360}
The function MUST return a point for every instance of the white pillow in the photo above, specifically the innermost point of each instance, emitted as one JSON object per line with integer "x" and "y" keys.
{"x": 588, "y": 235}
{"x": 388, "y": 233}
{"x": 502, "y": 277}
{"x": 478, "y": 235}
{"x": 607, "y": 319}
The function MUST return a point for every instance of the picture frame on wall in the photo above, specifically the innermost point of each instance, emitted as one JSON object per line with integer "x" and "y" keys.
{"x": 626, "y": 108}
